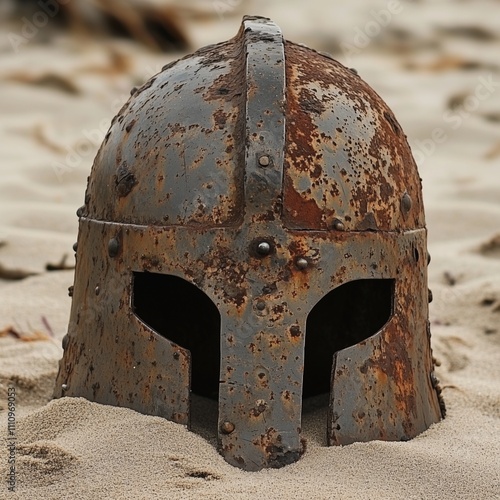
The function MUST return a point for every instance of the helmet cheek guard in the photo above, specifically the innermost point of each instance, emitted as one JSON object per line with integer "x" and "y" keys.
{"x": 253, "y": 230}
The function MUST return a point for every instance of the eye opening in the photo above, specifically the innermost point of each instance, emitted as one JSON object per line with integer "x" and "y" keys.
{"x": 182, "y": 313}
{"x": 344, "y": 317}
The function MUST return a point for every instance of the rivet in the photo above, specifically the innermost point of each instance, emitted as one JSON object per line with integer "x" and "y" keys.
{"x": 80, "y": 211}
{"x": 301, "y": 263}
{"x": 65, "y": 341}
{"x": 176, "y": 355}
{"x": 406, "y": 203}
{"x": 227, "y": 427}
{"x": 75, "y": 246}
{"x": 434, "y": 380}
{"x": 263, "y": 248}
{"x": 295, "y": 330}
{"x": 113, "y": 247}
{"x": 264, "y": 161}
{"x": 70, "y": 291}
{"x": 261, "y": 305}
{"x": 64, "y": 387}
{"x": 260, "y": 406}
{"x": 97, "y": 290}
{"x": 428, "y": 258}
{"x": 429, "y": 295}
{"x": 338, "y": 225}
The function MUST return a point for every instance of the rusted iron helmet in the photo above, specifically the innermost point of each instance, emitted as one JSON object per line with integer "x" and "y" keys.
{"x": 253, "y": 231}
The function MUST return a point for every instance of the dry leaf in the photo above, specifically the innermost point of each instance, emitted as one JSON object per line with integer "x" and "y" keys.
{"x": 25, "y": 337}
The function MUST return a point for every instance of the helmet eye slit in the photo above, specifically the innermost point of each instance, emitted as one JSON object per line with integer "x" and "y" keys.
{"x": 180, "y": 312}
{"x": 344, "y": 317}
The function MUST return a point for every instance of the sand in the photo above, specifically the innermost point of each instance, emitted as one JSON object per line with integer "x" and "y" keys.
{"x": 436, "y": 64}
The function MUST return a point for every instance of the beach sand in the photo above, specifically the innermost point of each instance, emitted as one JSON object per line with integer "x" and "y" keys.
{"x": 437, "y": 66}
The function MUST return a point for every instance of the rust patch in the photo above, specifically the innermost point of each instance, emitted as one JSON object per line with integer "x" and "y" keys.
{"x": 230, "y": 276}
{"x": 220, "y": 118}
{"x": 310, "y": 102}
{"x": 124, "y": 180}
{"x": 373, "y": 164}
{"x": 304, "y": 212}
{"x": 368, "y": 223}
{"x": 227, "y": 87}
{"x": 130, "y": 125}
{"x": 277, "y": 455}
{"x": 295, "y": 332}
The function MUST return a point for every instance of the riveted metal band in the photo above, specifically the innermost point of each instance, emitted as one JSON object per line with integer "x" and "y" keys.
{"x": 265, "y": 117}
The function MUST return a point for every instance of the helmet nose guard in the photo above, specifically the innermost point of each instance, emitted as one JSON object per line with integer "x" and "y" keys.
{"x": 253, "y": 228}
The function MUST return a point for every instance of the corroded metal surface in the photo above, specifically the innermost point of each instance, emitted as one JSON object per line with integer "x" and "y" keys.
{"x": 266, "y": 175}
{"x": 347, "y": 157}
{"x": 170, "y": 147}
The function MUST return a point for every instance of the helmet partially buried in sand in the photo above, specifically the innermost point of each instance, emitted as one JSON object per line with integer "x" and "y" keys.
{"x": 253, "y": 232}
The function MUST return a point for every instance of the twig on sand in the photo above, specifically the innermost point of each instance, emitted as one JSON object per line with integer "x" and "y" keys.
{"x": 60, "y": 266}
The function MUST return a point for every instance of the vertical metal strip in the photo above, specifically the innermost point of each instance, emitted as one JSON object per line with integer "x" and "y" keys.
{"x": 265, "y": 118}
{"x": 259, "y": 412}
